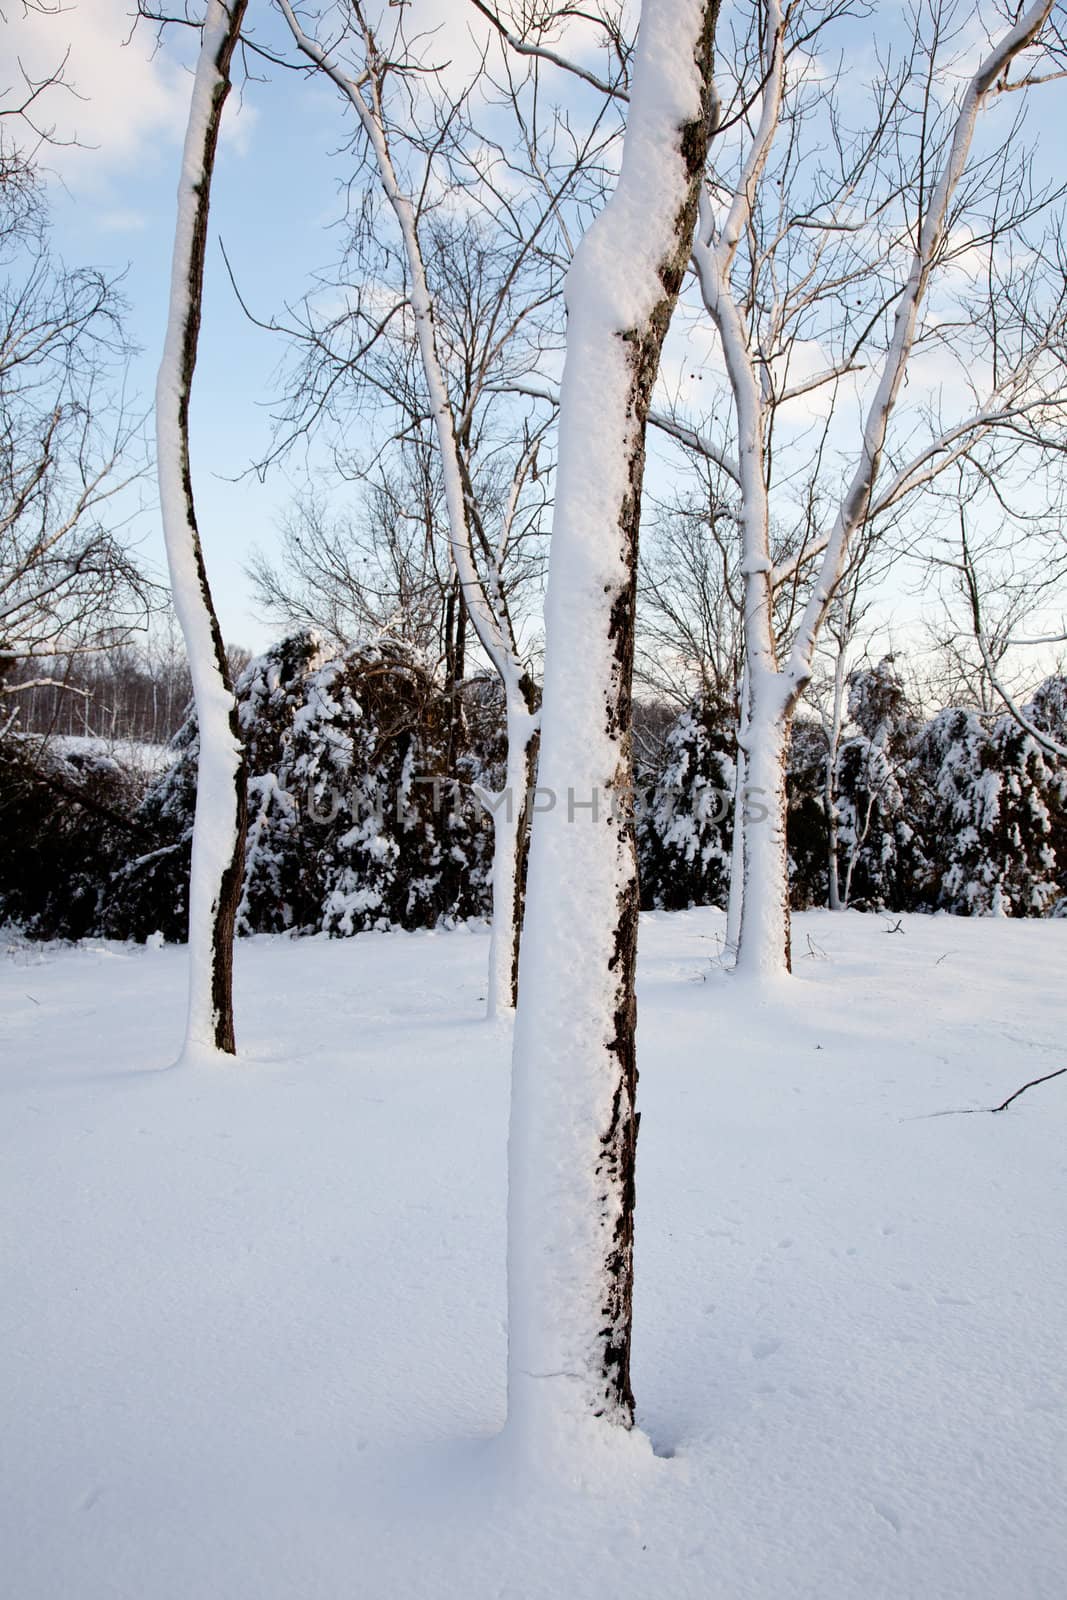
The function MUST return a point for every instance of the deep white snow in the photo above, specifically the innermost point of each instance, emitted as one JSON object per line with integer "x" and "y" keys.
{"x": 252, "y": 1341}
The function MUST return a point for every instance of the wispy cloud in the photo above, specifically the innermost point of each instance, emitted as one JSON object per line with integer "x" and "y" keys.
{"x": 126, "y": 98}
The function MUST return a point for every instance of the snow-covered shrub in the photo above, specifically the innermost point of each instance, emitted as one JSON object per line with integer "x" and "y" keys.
{"x": 280, "y": 885}
{"x": 997, "y": 812}
{"x": 149, "y": 891}
{"x": 878, "y": 805}
{"x": 389, "y": 826}
{"x": 67, "y": 821}
{"x": 807, "y": 838}
{"x": 361, "y": 812}
{"x": 1047, "y": 710}
{"x": 685, "y": 828}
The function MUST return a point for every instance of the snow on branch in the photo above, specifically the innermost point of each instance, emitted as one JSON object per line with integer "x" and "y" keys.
{"x": 364, "y": 95}
{"x": 542, "y": 52}
{"x": 856, "y": 503}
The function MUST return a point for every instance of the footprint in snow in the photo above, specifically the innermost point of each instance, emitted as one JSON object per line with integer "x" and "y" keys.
{"x": 887, "y": 1514}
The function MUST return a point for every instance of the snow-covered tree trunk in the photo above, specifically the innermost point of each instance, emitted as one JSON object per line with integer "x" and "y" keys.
{"x": 737, "y": 847}
{"x": 221, "y": 802}
{"x": 510, "y": 813}
{"x": 775, "y": 689}
{"x": 833, "y": 877}
{"x": 764, "y": 945}
{"x": 573, "y": 1122}
{"x": 763, "y": 934}
{"x": 833, "y": 742}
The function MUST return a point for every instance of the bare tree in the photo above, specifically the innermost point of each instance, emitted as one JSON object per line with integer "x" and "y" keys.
{"x": 445, "y": 314}
{"x": 822, "y": 254}
{"x": 839, "y": 648}
{"x": 1007, "y": 632}
{"x": 132, "y": 692}
{"x": 573, "y": 1120}
{"x": 380, "y": 571}
{"x": 689, "y": 598}
{"x": 221, "y": 793}
{"x": 70, "y": 450}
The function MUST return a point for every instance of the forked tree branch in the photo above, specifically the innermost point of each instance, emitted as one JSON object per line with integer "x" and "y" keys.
{"x": 525, "y": 48}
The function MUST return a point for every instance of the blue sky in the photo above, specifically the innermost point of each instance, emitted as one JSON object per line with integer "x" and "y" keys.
{"x": 112, "y": 205}
{"x": 276, "y": 191}
{"x": 275, "y": 194}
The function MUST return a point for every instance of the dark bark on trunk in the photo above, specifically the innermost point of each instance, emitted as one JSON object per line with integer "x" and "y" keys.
{"x": 618, "y": 1143}
{"x": 230, "y": 886}
{"x": 522, "y": 851}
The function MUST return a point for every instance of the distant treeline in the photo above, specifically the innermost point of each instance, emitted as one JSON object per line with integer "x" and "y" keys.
{"x": 364, "y": 809}
{"x": 123, "y": 695}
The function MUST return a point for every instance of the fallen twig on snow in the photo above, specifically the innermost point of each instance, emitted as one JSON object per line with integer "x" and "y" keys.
{"x": 966, "y": 1111}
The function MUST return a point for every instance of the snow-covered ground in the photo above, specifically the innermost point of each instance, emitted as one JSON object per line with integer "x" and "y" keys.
{"x": 134, "y": 754}
{"x": 252, "y": 1344}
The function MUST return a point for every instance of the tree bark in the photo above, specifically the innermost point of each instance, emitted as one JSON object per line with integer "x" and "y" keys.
{"x": 221, "y": 799}
{"x": 510, "y": 813}
{"x": 573, "y": 1123}
{"x": 737, "y": 844}
{"x": 765, "y": 945}
{"x": 775, "y": 690}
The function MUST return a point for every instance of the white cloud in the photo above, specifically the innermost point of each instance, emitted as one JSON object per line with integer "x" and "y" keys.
{"x": 454, "y": 37}
{"x": 130, "y": 97}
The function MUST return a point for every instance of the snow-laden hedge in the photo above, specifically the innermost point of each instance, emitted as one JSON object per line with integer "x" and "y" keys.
{"x": 962, "y": 813}
{"x": 685, "y": 817}
{"x": 362, "y": 808}
{"x": 66, "y": 828}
